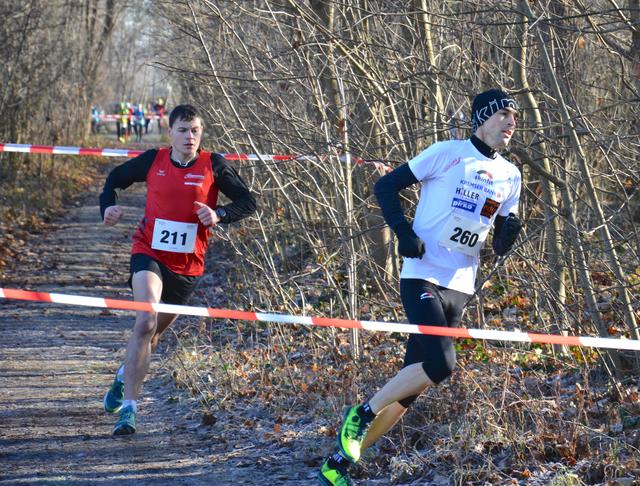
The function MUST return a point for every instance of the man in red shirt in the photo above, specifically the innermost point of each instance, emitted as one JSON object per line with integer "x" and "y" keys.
{"x": 169, "y": 246}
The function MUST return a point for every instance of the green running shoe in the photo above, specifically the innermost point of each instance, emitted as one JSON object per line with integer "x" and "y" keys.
{"x": 115, "y": 396}
{"x": 351, "y": 435}
{"x": 333, "y": 477}
{"x": 126, "y": 425}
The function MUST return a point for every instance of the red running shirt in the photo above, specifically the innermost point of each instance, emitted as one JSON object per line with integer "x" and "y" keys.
{"x": 171, "y": 192}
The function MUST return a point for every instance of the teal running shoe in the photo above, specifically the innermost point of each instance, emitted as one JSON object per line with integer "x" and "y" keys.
{"x": 115, "y": 395}
{"x": 333, "y": 477}
{"x": 352, "y": 434}
{"x": 126, "y": 425}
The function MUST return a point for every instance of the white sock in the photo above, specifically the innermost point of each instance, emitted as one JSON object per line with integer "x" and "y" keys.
{"x": 130, "y": 403}
{"x": 120, "y": 372}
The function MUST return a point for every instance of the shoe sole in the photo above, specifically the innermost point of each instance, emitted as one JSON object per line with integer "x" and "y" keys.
{"x": 344, "y": 453}
{"x": 124, "y": 430}
{"x": 106, "y": 408}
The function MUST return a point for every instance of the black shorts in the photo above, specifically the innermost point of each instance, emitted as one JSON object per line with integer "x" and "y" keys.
{"x": 429, "y": 304}
{"x": 176, "y": 288}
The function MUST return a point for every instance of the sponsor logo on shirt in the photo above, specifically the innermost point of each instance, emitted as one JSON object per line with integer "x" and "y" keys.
{"x": 466, "y": 193}
{"x": 478, "y": 186}
{"x": 484, "y": 176}
{"x": 199, "y": 183}
{"x": 466, "y": 200}
{"x": 426, "y": 295}
{"x": 462, "y": 204}
{"x": 453, "y": 163}
{"x": 161, "y": 172}
{"x": 489, "y": 208}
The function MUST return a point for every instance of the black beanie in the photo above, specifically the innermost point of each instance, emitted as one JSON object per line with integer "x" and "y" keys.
{"x": 487, "y": 103}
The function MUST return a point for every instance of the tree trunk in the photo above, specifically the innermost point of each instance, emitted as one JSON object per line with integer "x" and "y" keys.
{"x": 553, "y": 251}
{"x": 436, "y": 105}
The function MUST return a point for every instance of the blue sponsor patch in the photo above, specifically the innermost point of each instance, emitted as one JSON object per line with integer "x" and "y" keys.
{"x": 462, "y": 204}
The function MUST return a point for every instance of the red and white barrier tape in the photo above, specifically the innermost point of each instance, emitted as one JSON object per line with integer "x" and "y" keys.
{"x": 110, "y": 117}
{"x": 491, "y": 335}
{"x": 58, "y": 149}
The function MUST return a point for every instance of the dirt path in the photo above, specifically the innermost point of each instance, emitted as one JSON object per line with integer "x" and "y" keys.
{"x": 57, "y": 361}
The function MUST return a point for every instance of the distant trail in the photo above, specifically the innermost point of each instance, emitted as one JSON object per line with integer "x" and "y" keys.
{"x": 57, "y": 361}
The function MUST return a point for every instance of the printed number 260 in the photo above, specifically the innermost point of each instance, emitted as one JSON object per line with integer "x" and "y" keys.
{"x": 464, "y": 237}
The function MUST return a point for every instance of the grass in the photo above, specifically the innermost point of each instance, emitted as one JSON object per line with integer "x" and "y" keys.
{"x": 504, "y": 420}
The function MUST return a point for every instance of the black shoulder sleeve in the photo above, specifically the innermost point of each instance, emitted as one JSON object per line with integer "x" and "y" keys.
{"x": 121, "y": 177}
{"x": 230, "y": 183}
{"x": 387, "y": 191}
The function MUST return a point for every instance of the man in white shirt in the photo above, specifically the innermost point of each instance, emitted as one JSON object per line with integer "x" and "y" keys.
{"x": 467, "y": 188}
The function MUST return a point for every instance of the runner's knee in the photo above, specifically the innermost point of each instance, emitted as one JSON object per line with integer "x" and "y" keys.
{"x": 146, "y": 325}
{"x": 436, "y": 354}
{"x": 440, "y": 369}
{"x": 408, "y": 401}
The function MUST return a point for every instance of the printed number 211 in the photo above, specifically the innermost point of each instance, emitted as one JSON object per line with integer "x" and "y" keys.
{"x": 174, "y": 235}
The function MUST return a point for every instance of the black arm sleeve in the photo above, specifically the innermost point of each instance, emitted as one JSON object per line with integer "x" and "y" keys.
{"x": 230, "y": 183}
{"x": 387, "y": 191}
{"x": 133, "y": 170}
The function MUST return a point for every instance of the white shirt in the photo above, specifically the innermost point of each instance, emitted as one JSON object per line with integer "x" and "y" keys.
{"x": 462, "y": 192}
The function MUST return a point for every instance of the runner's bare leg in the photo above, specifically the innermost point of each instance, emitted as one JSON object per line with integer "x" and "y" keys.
{"x": 147, "y": 287}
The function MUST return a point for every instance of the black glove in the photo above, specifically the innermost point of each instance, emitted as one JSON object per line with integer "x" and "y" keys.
{"x": 409, "y": 245}
{"x": 506, "y": 233}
